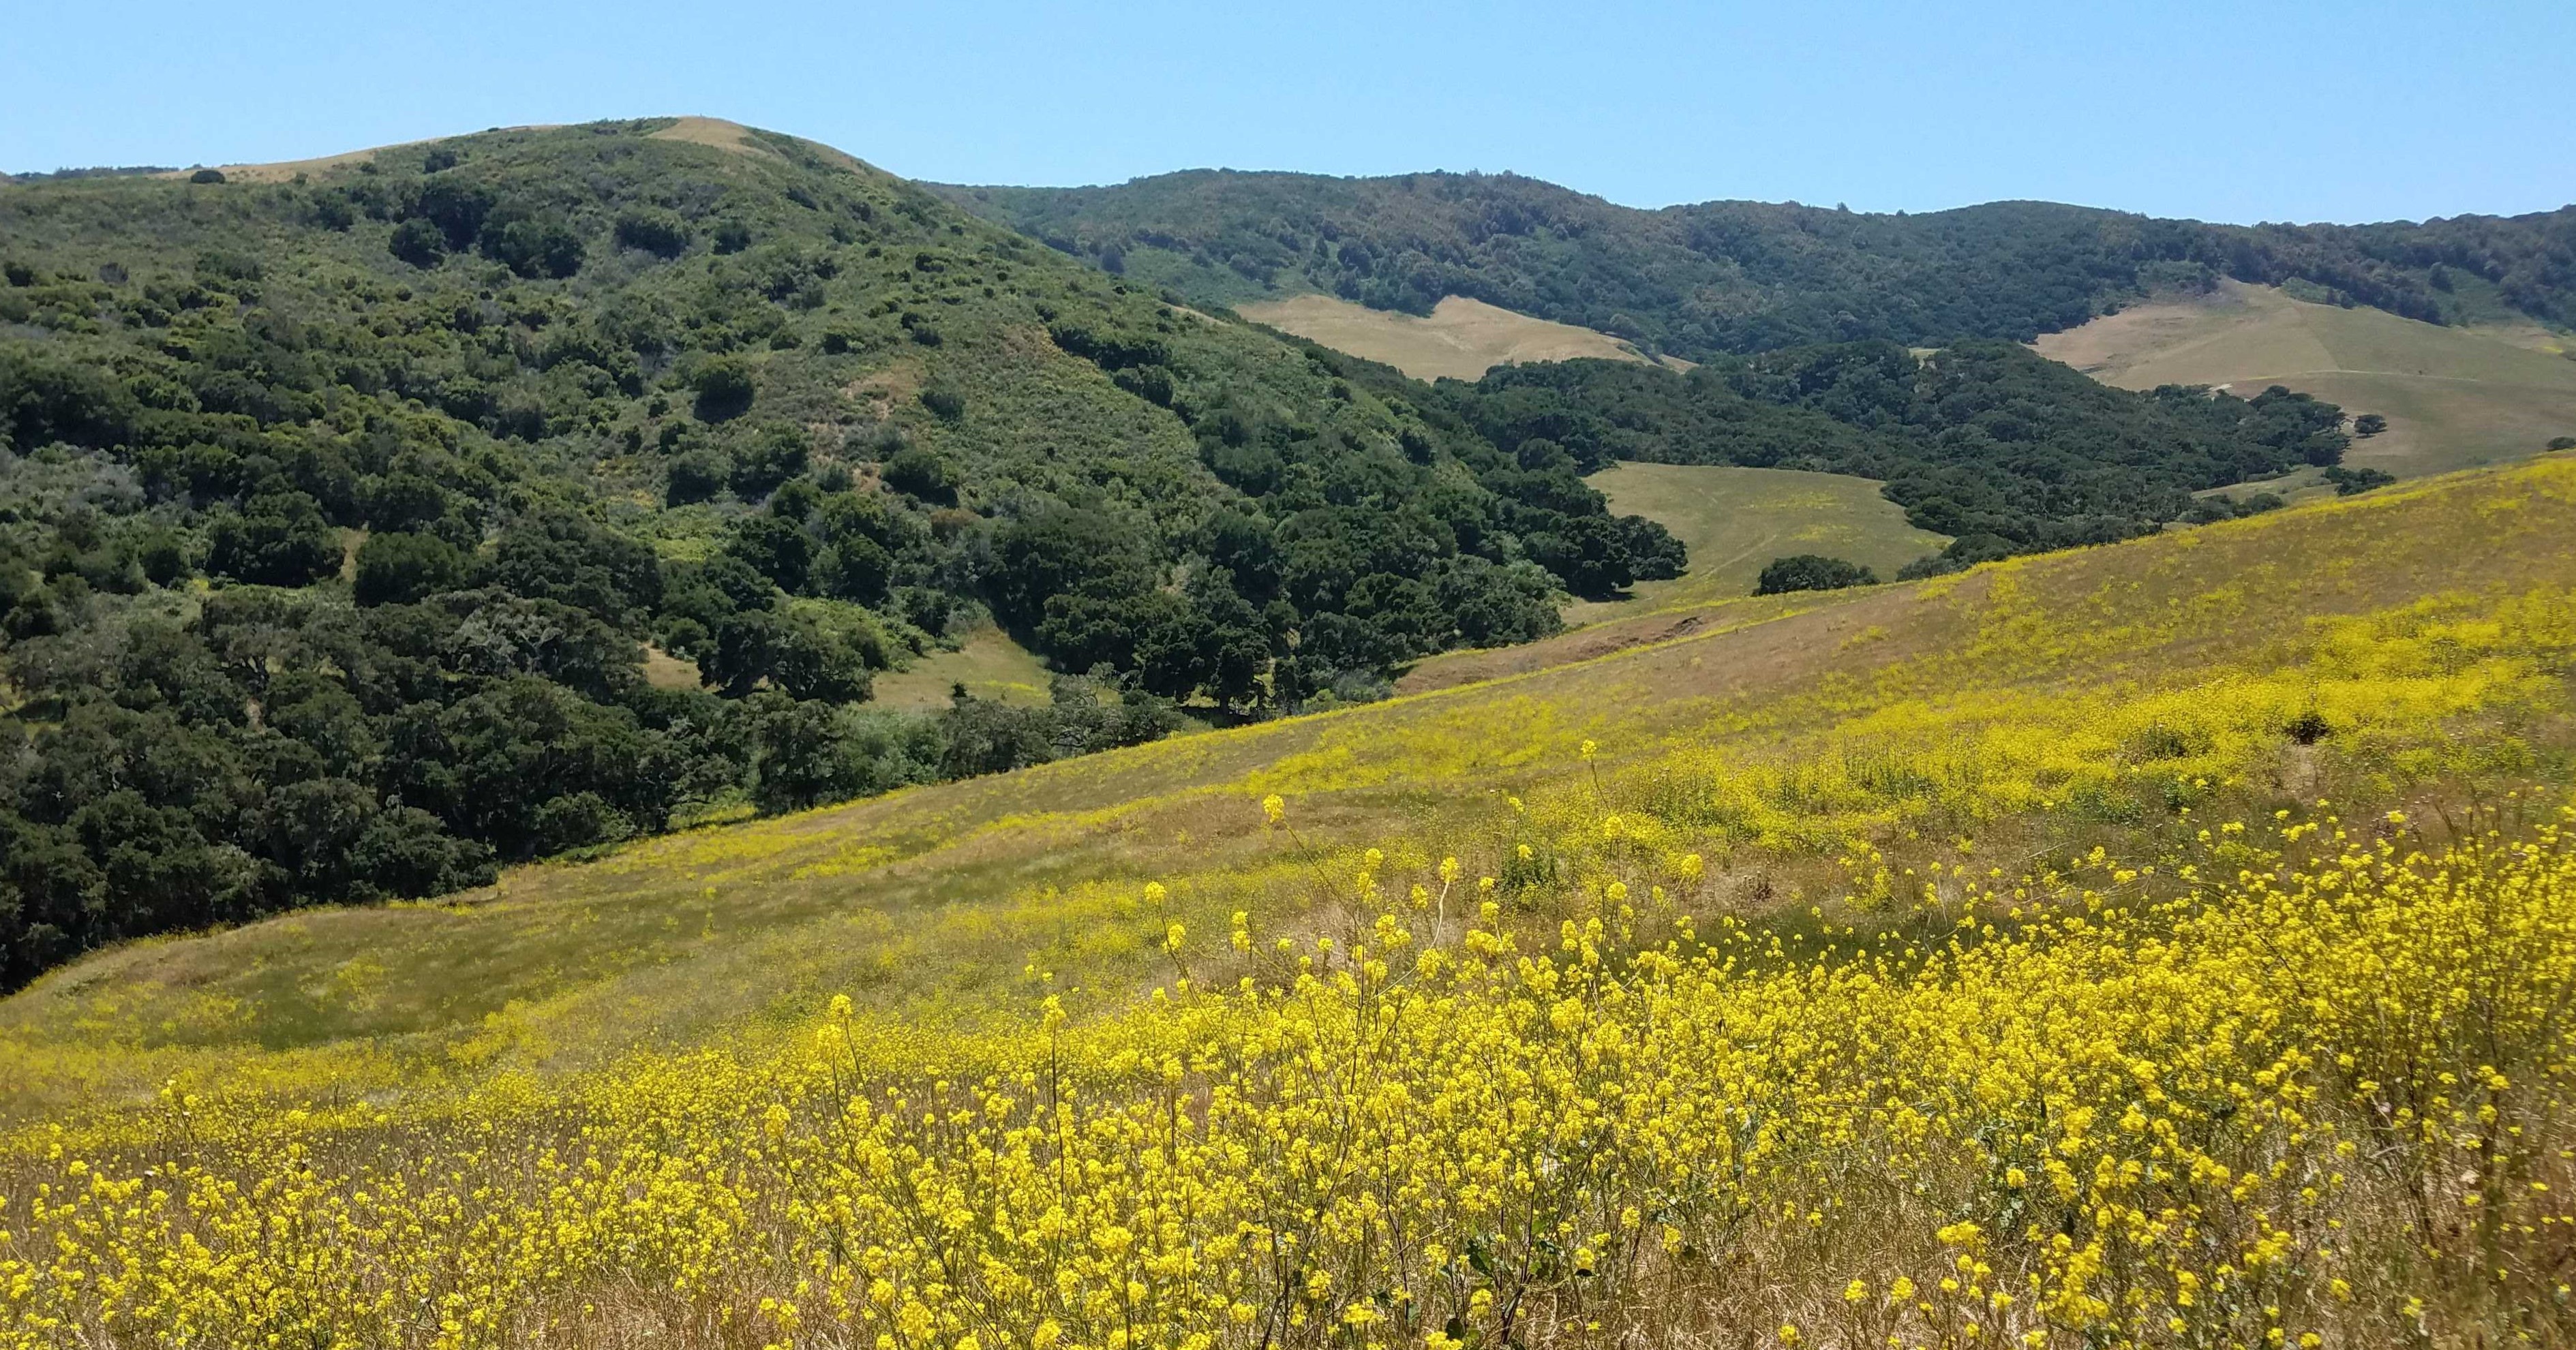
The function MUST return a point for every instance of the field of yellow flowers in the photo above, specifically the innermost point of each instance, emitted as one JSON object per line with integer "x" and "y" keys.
{"x": 2309, "y": 1089}
{"x": 2164, "y": 945}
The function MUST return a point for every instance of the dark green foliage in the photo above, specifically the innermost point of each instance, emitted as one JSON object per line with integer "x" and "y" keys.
{"x": 919, "y": 472}
{"x": 207, "y": 176}
{"x": 653, "y": 230}
{"x": 1722, "y": 277}
{"x": 276, "y": 539}
{"x": 1811, "y": 572}
{"x": 696, "y": 476}
{"x": 769, "y": 456}
{"x": 419, "y": 242}
{"x": 756, "y": 648}
{"x": 2349, "y": 481}
{"x": 2562, "y": 443}
{"x": 542, "y": 246}
{"x": 1984, "y": 440}
{"x": 398, "y": 569}
{"x": 725, "y": 387}
{"x": 2369, "y": 424}
{"x": 507, "y": 359}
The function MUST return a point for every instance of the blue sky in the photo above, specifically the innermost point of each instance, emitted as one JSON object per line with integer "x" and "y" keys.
{"x": 2242, "y": 111}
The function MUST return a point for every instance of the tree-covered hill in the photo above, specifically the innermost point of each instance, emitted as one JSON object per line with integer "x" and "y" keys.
{"x": 337, "y": 510}
{"x": 1720, "y": 277}
{"x": 2004, "y": 450}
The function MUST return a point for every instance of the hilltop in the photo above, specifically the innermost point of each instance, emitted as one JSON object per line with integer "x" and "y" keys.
{"x": 1702, "y": 280}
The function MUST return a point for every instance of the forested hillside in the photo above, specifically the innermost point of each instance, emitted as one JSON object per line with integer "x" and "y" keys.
{"x": 1984, "y": 441}
{"x": 338, "y": 508}
{"x": 1719, "y": 277}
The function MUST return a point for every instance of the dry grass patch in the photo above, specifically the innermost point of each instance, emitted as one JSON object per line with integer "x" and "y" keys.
{"x": 1461, "y": 339}
{"x": 2453, "y": 397}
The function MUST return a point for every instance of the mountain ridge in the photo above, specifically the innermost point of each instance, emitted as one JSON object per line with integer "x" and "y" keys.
{"x": 1702, "y": 278}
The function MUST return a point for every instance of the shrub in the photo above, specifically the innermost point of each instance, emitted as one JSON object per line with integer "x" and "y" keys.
{"x": 1812, "y": 572}
{"x": 278, "y": 539}
{"x": 419, "y": 243}
{"x": 653, "y": 230}
{"x": 725, "y": 387}
{"x": 921, "y": 473}
{"x": 773, "y": 454}
{"x": 397, "y": 569}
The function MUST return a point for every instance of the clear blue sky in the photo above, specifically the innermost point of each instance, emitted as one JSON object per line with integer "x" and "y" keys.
{"x": 2235, "y": 111}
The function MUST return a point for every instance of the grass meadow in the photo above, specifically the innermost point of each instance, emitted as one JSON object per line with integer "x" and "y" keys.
{"x": 2161, "y": 944}
{"x": 1736, "y": 520}
{"x": 2453, "y": 396}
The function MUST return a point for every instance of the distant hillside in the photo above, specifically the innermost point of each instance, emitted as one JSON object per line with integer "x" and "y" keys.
{"x": 1721, "y": 277}
{"x": 344, "y": 496}
{"x": 1986, "y": 442}
{"x": 1459, "y": 339}
{"x": 2452, "y": 396}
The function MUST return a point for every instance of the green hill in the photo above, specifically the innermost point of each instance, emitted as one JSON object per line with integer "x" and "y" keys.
{"x": 345, "y": 496}
{"x": 1716, "y": 277}
{"x": 1849, "y": 942}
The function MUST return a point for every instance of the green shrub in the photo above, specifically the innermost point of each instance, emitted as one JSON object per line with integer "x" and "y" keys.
{"x": 1812, "y": 572}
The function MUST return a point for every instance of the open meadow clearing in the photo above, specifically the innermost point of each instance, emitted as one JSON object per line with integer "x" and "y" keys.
{"x": 1736, "y": 520}
{"x": 2453, "y": 396}
{"x": 1460, "y": 339}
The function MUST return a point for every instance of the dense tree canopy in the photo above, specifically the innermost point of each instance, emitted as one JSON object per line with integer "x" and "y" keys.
{"x": 1719, "y": 277}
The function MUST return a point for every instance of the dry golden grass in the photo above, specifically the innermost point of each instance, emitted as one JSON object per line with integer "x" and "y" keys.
{"x": 1461, "y": 339}
{"x": 2453, "y": 396}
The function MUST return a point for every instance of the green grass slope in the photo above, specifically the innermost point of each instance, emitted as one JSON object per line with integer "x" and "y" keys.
{"x": 2034, "y": 705}
{"x": 1735, "y": 520}
{"x": 2452, "y": 396}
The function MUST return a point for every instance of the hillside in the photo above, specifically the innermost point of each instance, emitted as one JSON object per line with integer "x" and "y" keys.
{"x": 346, "y": 495}
{"x": 1911, "y": 895}
{"x": 1985, "y": 442}
{"x": 1734, "y": 520}
{"x": 2453, "y": 396}
{"x": 1731, "y": 277}
{"x": 1459, "y": 339}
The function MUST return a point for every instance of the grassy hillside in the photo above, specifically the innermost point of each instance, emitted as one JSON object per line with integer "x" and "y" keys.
{"x": 1459, "y": 339}
{"x": 1717, "y": 277}
{"x": 1791, "y": 700}
{"x": 568, "y": 392}
{"x": 1883, "y": 912}
{"x": 2452, "y": 396}
{"x": 1734, "y": 520}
